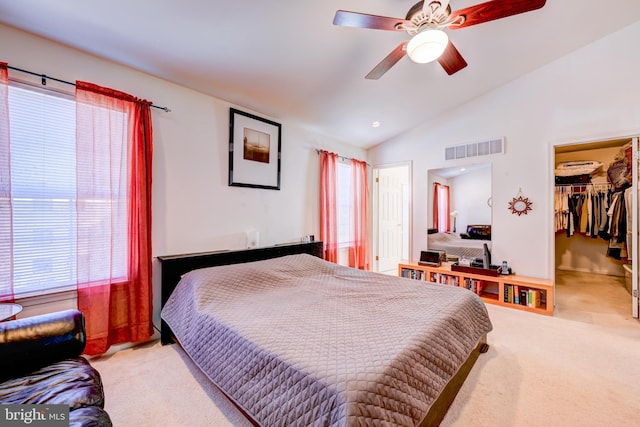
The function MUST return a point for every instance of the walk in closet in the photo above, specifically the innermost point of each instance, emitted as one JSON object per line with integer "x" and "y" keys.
{"x": 593, "y": 220}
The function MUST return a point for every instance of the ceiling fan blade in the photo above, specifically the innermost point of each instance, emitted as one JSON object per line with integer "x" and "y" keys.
{"x": 443, "y": 4}
{"x": 492, "y": 10}
{"x": 396, "y": 55}
{"x": 363, "y": 20}
{"x": 451, "y": 60}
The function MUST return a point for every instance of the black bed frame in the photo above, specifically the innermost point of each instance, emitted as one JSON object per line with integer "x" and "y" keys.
{"x": 174, "y": 266}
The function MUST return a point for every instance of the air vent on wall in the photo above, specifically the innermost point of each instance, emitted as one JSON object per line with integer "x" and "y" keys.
{"x": 475, "y": 149}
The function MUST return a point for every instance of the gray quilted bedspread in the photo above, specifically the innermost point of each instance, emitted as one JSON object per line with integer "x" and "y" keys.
{"x": 299, "y": 341}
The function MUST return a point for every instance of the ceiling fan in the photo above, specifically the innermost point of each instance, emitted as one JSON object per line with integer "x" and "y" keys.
{"x": 424, "y": 23}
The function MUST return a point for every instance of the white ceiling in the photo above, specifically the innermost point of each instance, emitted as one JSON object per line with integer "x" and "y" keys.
{"x": 287, "y": 60}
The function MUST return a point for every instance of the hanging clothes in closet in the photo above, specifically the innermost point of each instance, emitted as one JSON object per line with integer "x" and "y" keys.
{"x": 620, "y": 178}
{"x": 596, "y": 211}
{"x": 581, "y": 208}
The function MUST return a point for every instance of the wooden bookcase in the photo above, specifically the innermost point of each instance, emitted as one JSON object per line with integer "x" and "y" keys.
{"x": 499, "y": 290}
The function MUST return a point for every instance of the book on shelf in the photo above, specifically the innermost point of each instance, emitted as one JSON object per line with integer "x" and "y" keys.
{"x": 534, "y": 298}
{"x": 523, "y": 296}
{"x": 474, "y": 285}
{"x": 479, "y": 287}
{"x": 513, "y": 294}
{"x": 409, "y": 273}
{"x": 470, "y": 284}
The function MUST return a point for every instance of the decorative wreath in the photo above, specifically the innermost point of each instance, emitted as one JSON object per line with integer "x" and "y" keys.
{"x": 520, "y": 205}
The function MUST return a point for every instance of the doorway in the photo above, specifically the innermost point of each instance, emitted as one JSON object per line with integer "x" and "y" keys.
{"x": 391, "y": 217}
{"x": 595, "y": 219}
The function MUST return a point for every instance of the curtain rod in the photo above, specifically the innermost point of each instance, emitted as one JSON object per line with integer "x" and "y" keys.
{"x": 343, "y": 157}
{"x": 586, "y": 184}
{"x": 44, "y": 78}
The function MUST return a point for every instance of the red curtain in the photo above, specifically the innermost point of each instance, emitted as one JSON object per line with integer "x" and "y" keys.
{"x": 436, "y": 206}
{"x": 441, "y": 207}
{"x": 355, "y": 216}
{"x": 6, "y": 226}
{"x": 114, "y": 154}
{"x": 329, "y": 204}
{"x": 359, "y": 247}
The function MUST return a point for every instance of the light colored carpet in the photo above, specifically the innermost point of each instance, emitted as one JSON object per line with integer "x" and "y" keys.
{"x": 593, "y": 298}
{"x": 539, "y": 371}
{"x": 155, "y": 385}
{"x": 548, "y": 371}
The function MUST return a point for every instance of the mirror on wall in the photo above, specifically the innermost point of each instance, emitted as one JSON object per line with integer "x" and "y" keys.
{"x": 469, "y": 209}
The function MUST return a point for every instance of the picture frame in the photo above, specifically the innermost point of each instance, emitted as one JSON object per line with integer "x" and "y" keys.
{"x": 255, "y": 145}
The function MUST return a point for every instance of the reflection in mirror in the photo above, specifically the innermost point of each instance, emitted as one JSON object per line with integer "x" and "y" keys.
{"x": 468, "y": 225}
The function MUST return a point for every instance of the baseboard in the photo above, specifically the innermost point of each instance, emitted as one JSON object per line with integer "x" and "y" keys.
{"x": 586, "y": 270}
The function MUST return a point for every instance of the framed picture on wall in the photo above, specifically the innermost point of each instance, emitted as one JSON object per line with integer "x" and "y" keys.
{"x": 254, "y": 151}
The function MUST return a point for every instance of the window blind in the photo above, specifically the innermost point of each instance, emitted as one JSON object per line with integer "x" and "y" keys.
{"x": 42, "y": 129}
{"x": 43, "y": 196}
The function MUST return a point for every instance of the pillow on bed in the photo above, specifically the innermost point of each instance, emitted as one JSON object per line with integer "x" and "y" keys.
{"x": 443, "y": 237}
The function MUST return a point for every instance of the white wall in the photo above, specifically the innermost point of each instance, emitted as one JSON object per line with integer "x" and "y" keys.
{"x": 590, "y": 94}
{"x": 193, "y": 207}
{"x": 469, "y": 194}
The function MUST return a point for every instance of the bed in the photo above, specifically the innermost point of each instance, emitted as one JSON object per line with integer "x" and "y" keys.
{"x": 294, "y": 340}
{"x": 469, "y": 244}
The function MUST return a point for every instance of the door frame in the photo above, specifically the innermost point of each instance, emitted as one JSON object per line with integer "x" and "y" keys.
{"x": 376, "y": 206}
{"x": 636, "y": 218}
{"x": 635, "y": 302}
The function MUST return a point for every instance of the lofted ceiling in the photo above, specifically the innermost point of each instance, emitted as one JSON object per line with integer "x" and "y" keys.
{"x": 286, "y": 59}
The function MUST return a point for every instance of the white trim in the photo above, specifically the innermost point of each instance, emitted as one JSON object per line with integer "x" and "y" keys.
{"x": 551, "y": 245}
{"x": 374, "y": 203}
{"x": 49, "y": 298}
{"x": 634, "y": 231}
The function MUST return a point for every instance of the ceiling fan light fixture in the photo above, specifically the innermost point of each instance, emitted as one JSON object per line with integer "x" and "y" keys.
{"x": 427, "y": 46}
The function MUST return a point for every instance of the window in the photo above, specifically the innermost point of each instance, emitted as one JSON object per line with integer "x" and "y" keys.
{"x": 443, "y": 209}
{"x": 43, "y": 195}
{"x": 344, "y": 210}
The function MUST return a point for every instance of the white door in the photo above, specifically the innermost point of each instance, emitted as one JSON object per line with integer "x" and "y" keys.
{"x": 635, "y": 256}
{"x": 392, "y": 218}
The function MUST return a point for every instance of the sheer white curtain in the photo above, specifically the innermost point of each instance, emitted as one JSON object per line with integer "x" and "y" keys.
{"x": 441, "y": 208}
